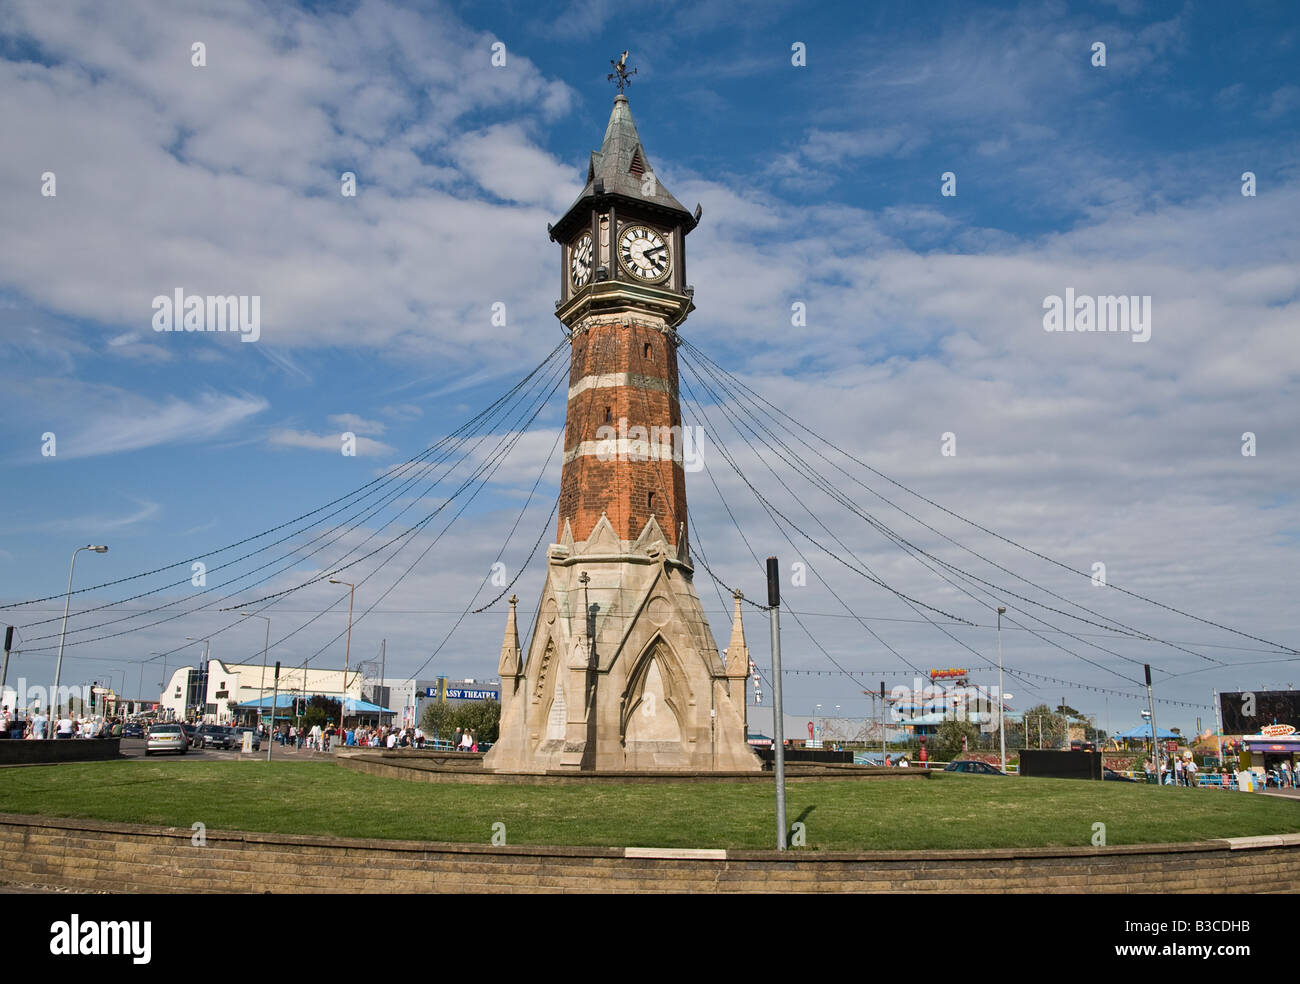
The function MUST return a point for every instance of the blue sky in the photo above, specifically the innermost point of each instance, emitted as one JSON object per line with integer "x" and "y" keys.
{"x": 820, "y": 184}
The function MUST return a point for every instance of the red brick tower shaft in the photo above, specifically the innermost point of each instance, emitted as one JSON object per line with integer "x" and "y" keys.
{"x": 623, "y": 441}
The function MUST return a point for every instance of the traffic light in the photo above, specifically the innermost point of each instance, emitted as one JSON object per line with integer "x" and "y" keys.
{"x": 93, "y": 685}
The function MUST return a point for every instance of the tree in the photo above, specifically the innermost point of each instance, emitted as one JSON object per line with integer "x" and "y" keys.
{"x": 1043, "y": 726}
{"x": 946, "y": 744}
{"x": 483, "y": 717}
{"x": 439, "y": 721}
{"x": 321, "y": 710}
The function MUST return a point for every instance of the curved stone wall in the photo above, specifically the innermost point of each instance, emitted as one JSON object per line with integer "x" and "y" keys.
{"x": 93, "y": 855}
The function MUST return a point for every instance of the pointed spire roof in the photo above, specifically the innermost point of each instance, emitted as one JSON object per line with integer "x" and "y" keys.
{"x": 620, "y": 168}
{"x": 509, "y": 665}
{"x": 737, "y": 651}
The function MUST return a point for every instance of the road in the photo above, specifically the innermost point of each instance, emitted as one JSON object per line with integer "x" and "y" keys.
{"x": 134, "y": 748}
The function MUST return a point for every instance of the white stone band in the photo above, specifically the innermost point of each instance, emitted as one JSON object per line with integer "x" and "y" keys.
{"x": 626, "y": 449}
{"x": 611, "y": 379}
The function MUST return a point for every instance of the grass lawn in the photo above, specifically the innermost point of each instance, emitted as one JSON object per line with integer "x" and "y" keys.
{"x": 949, "y": 811}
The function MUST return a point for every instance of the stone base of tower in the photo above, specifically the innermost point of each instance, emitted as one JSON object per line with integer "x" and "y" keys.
{"x": 622, "y": 672}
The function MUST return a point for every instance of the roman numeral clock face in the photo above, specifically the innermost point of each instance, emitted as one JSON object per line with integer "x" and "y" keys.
{"x": 644, "y": 254}
{"x": 580, "y": 262}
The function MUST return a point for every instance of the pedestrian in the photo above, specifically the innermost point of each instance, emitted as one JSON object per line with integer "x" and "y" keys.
{"x": 456, "y": 743}
{"x": 889, "y": 761}
{"x": 1191, "y": 772}
{"x": 64, "y": 727}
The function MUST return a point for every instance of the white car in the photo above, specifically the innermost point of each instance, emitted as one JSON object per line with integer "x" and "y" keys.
{"x": 166, "y": 738}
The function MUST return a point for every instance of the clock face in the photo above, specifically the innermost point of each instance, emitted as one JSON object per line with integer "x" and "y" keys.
{"x": 580, "y": 262}
{"x": 644, "y": 253}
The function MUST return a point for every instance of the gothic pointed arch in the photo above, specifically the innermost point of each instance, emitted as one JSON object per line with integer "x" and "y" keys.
{"x": 657, "y": 671}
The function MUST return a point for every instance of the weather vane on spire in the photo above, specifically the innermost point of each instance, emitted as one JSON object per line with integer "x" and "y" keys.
{"x": 621, "y": 76}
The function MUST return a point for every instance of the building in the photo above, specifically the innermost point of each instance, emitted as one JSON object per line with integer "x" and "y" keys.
{"x": 949, "y": 696}
{"x": 212, "y": 690}
{"x": 622, "y": 671}
{"x": 409, "y": 698}
{"x": 810, "y": 729}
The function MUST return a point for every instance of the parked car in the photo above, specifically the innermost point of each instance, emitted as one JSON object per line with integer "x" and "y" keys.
{"x": 217, "y": 736}
{"x": 133, "y": 729}
{"x": 1117, "y": 777}
{"x": 166, "y": 738}
{"x": 973, "y": 767}
{"x": 192, "y": 733}
{"x": 239, "y": 738}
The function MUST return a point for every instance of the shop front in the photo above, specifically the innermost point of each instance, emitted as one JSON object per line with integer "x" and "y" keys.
{"x": 1272, "y": 752}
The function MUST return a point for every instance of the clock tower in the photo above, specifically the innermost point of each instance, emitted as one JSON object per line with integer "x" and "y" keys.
{"x": 622, "y": 671}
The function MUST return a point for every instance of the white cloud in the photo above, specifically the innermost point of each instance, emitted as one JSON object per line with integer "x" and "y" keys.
{"x": 225, "y": 179}
{"x": 356, "y": 424}
{"x": 402, "y": 411}
{"x": 91, "y": 419}
{"x": 333, "y": 443}
{"x": 99, "y": 523}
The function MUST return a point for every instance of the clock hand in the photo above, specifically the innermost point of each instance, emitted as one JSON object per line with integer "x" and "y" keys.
{"x": 656, "y": 249}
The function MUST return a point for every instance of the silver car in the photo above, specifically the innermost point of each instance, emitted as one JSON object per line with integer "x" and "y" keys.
{"x": 166, "y": 738}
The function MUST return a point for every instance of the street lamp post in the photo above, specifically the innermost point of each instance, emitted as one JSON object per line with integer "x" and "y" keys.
{"x": 67, "y": 601}
{"x": 778, "y": 701}
{"x": 347, "y": 650}
{"x": 1002, "y": 733}
{"x": 261, "y": 695}
{"x": 1155, "y": 734}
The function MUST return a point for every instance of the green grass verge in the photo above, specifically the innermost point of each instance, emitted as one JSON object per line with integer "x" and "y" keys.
{"x": 949, "y": 811}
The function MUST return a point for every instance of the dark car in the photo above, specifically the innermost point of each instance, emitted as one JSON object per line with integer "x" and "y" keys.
{"x": 133, "y": 729}
{"x": 1116, "y": 777}
{"x": 216, "y": 736}
{"x": 192, "y": 733}
{"x": 973, "y": 767}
